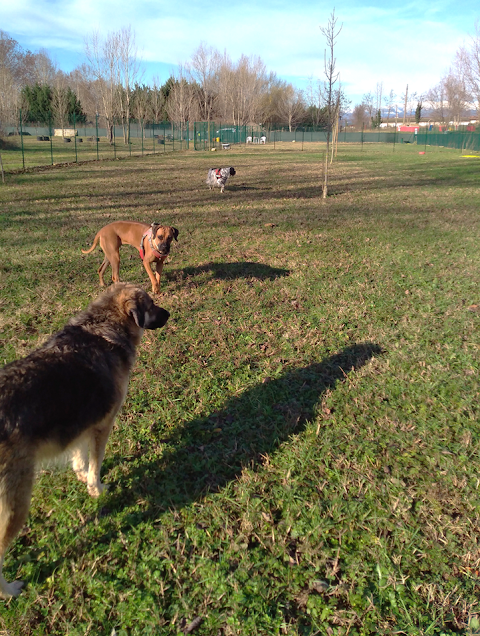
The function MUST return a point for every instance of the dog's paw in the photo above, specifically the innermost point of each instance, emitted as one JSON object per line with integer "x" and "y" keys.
{"x": 7, "y": 590}
{"x": 95, "y": 490}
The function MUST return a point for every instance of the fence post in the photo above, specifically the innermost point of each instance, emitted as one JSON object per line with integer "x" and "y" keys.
{"x": 50, "y": 131}
{"x": 96, "y": 133}
{"x": 363, "y": 126}
{"x": 173, "y": 136}
{"x": 142, "y": 136}
{"x": 114, "y": 137}
{"x": 21, "y": 139}
{"x": 153, "y": 136}
{"x": 75, "y": 137}
{"x": 164, "y": 139}
{"x": 129, "y": 139}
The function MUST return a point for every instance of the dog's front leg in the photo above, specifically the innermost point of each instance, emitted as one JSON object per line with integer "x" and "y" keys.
{"x": 97, "y": 444}
{"x": 149, "y": 269}
{"x": 79, "y": 459}
{"x": 158, "y": 272}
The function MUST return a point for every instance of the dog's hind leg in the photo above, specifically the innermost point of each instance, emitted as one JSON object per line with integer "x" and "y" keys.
{"x": 15, "y": 493}
{"x": 97, "y": 443}
{"x": 114, "y": 259}
{"x": 101, "y": 270}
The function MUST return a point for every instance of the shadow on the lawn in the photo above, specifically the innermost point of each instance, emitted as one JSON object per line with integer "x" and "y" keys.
{"x": 201, "y": 459}
{"x": 241, "y": 269}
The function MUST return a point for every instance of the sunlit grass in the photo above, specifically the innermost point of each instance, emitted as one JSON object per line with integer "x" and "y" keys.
{"x": 298, "y": 451}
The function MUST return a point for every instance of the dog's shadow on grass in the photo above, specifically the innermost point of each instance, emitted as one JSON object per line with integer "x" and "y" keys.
{"x": 242, "y": 269}
{"x": 207, "y": 453}
{"x": 241, "y": 187}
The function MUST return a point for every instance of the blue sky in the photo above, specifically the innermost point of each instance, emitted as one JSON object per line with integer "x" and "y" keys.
{"x": 411, "y": 43}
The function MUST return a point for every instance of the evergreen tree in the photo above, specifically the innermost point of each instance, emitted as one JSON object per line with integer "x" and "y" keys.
{"x": 377, "y": 120}
{"x": 418, "y": 112}
{"x": 39, "y": 103}
{"x": 75, "y": 111}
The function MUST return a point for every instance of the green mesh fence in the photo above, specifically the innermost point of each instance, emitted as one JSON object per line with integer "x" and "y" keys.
{"x": 29, "y": 145}
{"x": 468, "y": 140}
{"x": 209, "y": 135}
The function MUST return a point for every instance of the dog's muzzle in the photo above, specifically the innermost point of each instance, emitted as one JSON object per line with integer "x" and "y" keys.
{"x": 156, "y": 318}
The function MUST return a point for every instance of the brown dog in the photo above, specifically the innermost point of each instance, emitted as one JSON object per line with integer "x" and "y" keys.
{"x": 153, "y": 242}
{"x": 62, "y": 399}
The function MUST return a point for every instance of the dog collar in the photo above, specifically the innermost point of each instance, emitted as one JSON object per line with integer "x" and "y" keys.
{"x": 155, "y": 251}
{"x": 153, "y": 246}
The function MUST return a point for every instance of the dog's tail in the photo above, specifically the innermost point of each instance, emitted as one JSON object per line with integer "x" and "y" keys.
{"x": 95, "y": 243}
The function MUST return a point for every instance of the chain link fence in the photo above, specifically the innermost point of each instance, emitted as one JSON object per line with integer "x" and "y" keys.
{"x": 33, "y": 145}
{"x": 24, "y": 146}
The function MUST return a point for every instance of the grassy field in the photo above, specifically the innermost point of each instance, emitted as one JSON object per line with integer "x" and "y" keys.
{"x": 298, "y": 452}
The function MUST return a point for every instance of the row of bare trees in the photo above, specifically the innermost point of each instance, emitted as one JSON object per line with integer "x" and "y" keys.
{"x": 455, "y": 98}
{"x": 209, "y": 86}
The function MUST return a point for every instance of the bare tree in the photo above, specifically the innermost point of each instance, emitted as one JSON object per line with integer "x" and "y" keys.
{"x": 16, "y": 70}
{"x": 103, "y": 59}
{"x": 468, "y": 66}
{"x": 449, "y": 99}
{"x": 85, "y": 87}
{"x": 45, "y": 70}
{"x": 315, "y": 100}
{"x": 360, "y": 116}
{"x": 182, "y": 104}
{"x": 204, "y": 69}
{"x": 291, "y": 106}
{"x": 378, "y": 96}
{"x": 60, "y": 101}
{"x": 389, "y": 101}
{"x": 437, "y": 99}
{"x": 250, "y": 82}
{"x": 405, "y": 105}
{"x": 129, "y": 74}
{"x": 331, "y": 33}
{"x": 225, "y": 70}
{"x": 368, "y": 101}
{"x": 10, "y": 83}
{"x": 412, "y": 101}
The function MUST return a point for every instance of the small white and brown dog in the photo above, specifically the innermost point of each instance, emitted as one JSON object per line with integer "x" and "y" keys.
{"x": 218, "y": 177}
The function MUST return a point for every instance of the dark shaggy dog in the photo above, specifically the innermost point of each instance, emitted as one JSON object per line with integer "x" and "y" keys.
{"x": 218, "y": 177}
{"x": 62, "y": 399}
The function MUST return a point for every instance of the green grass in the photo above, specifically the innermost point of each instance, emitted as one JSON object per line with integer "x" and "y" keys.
{"x": 298, "y": 452}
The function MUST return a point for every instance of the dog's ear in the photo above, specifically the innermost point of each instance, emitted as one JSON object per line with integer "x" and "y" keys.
{"x": 155, "y": 225}
{"x": 175, "y": 233}
{"x": 232, "y": 172}
{"x": 136, "y": 311}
